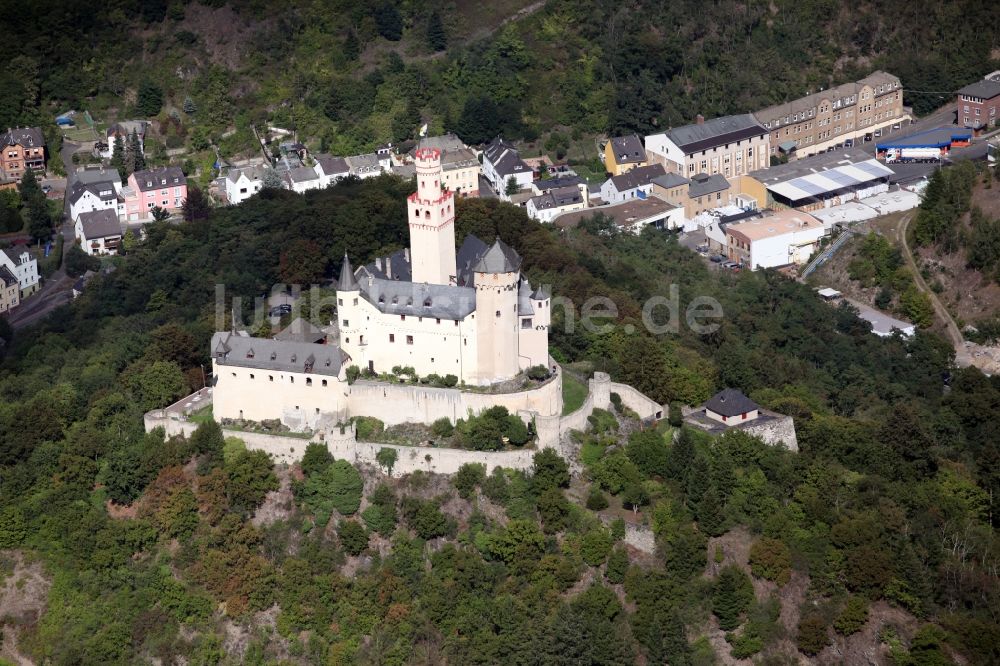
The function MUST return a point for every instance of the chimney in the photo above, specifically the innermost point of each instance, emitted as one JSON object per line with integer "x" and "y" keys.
{"x": 699, "y": 119}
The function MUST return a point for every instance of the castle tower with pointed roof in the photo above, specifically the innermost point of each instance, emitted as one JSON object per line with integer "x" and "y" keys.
{"x": 497, "y": 274}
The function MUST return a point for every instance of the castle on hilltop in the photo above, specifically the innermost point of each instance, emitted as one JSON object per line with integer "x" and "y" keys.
{"x": 467, "y": 313}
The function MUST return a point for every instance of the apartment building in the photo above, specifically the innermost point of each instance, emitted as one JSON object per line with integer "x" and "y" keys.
{"x": 828, "y": 118}
{"x": 729, "y": 146}
{"x": 23, "y": 148}
{"x": 979, "y": 103}
{"x": 164, "y": 188}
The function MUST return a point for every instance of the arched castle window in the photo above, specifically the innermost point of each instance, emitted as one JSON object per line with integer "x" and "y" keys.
{"x": 309, "y": 381}
{"x": 427, "y": 215}
{"x": 416, "y": 212}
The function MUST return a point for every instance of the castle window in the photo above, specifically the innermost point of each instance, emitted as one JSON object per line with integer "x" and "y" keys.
{"x": 526, "y": 322}
{"x": 381, "y": 299}
{"x": 498, "y": 313}
{"x": 270, "y": 378}
{"x": 347, "y": 341}
{"x": 416, "y": 212}
{"x": 340, "y": 301}
{"x": 317, "y": 410}
{"x": 427, "y": 302}
{"x": 438, "y": 321}
{"x": 456, "y": 321}
{"x": 402, "y": 317}
{"x": 234, "y": 374}
{"x": 345, "y": 324}
{"x": 324, "y": 382}
{"x": 309, "y": 381}
{"x": 355, "y": 301}
{"x": 432, "y": 359}
{"x": 251, "y": 375}
{"x": 409, "y": 339}
{"x": 427, "y": 215}
{"x": 392, "y": 337}
{"x": 291, "y": 379}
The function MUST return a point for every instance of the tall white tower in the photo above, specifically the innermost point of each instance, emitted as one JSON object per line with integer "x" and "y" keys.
{"x": 431, "y": 211}
{"x": 496, "y": 276}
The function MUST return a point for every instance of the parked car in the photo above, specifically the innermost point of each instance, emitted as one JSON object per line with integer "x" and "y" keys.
{"x": 702, "y": 249}
{"x": 46, "y": 188}
{"x": 717, "y": 258}
{"x": 280, "y": 310}
{"x": 729, "y": 264}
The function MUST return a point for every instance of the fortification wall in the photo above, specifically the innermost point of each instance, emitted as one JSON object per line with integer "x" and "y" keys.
{"x": 779, "y": 430}
{"x": 645, "y": 407}
{"x": 396, "y": 403}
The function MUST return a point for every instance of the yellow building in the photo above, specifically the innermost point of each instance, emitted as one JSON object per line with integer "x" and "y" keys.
{"x": 623, "y": 153}
{"x": 10, "y": 296}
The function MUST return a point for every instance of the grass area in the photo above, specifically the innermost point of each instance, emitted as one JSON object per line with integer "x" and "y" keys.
{"x": 591, "y": 452}
{"x": 574, "y": 393}
{"x": 203, "y": 415}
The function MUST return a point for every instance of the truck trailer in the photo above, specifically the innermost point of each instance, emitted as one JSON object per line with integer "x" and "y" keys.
{"x": 912, "y": 155}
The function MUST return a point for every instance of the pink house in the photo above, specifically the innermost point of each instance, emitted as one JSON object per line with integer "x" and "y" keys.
{"x": 164, "y": 188}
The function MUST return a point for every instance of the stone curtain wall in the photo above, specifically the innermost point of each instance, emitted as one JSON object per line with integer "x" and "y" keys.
{"x": 391, "y": 403}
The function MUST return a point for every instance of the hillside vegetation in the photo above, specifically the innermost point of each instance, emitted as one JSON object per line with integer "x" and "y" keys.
{"x": 349, "y": 76}
{"x": 880, "y": 528}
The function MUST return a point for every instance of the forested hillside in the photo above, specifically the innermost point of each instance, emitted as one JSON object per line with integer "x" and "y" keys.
{"x": 351, "y": 75}
{"x": 877, "y": 537}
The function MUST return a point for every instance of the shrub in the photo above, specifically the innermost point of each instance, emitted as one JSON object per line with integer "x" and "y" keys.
{"x": 468, "y": 477}
{"x": 537, "y": 372}
{"x": 442, "y": 427}
{"x": 450, "y": 381}
{"x": 771, "y": 559}
{"x": 812, "y": 636}
{"x": 674, "y": 417}
{"x": 425, "y": 518}
{"x": 368, "y": 427}
{"x": 353, "y": 537}
{"x": 616, "y": 400}
{"x": 316, "y": 458}
{"x": 852, "y": 617}
{"x": 250, "y": 478}
{"x": 594, "y": 546}
{"x": 338, "y": 487}
{"x": 596, "y": 501}
{"x": 496, "y": 487}
{"x": 353, "y": 372}
{"x": 386, "y": 458}
{"x": 617, "y": 566}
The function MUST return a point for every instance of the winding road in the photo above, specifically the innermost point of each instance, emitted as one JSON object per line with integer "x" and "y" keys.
{"x": 962, "y": 356}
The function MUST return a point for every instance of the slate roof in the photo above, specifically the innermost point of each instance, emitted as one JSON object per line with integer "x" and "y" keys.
{"x": 87, "y": 176}
{"x": 564, "y": 196}
{"x": 458, "y": 159}
{"x": 78, "y": 189}
{"x": 6, "y": 277}
{"x": 637, "y": 177}
{"x": 703, "y": 183}
{"x": 301, "y": 330}
{"x": 14, "y": 253}
{"x": 547, "y": 184}
{"x": 229, "y": 349}
{"x": 500, "y": 258}
{"x": 346, "y": 281}
{"x": 332, "y": 165}
{"x": 100, "y": 224}
{"x": 468, "y": 254}
{"x": 302, "y": 174}
{"x": 669, "y": 180}
{"x": 154, "y": 179}
{"x": 419, "y": 299}
{"x": 255, "y": 172}
{"x": 983, "y": 88}
{"x": 445, "y": 143}
{"x": 125, "y": 127}
{"x": 524, "y": 293}
{"x": 714, "y": 132}
{"x": 628, "y": 149}
{"x": 28, "y": 137}
{"x": 365, "y": 162}
{"x": 730, "y": 402}
{"x": 505, "y": 159}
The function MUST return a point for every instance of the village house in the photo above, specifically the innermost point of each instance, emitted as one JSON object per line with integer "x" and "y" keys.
{"x": 979, "y": 103}
{"x": 331, "y": 169}
{"x": 501, "y": 163}
{"x": 124, "y": 131}
{"x": 623, "y": 153}
{"x": 165, "y": 187}
{"x": 843, "y": 114}
{"x": 89, "y": 197}
{"x": 23, "y": 148}
{"x": 730, "y": 408}
{"x": 10, "y": 294}
{"x": 635, "y": 183}
{"x": 555, "y": 202}
{"x": 786, "y": 237}
{"x": 730, "y": 146}
{"x": 365, "y": 166}
{"x": 303, "y": 179}
{"x": 99, "y": 232}
{"x": 548, "y": 184}
{"x": 243, "y": 183}
{"x": 632, "y": 216}
{"x": 460, "y": 165}
{"x": 24, "y": 268}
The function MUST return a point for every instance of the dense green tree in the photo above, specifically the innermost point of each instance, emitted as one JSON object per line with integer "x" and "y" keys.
{"x": 149, "y": 100}
{"x": 338, "y": 486}
{"x": 812, "y": 635}
{"x": 389, "y": 21}
{"x": 467, "y": 478}
{"x": 648, "y": 451}
{"x": 249, "y": 478}
{"x": 549, "y": 470}
{"x": 553, "y": 509}
{"x": 731, "y": 597}
{"x": 386, "y": 458}
{"x": 617, "y": 566}
{"x": 196, "y": 206}
{"x": 316, "y": 458}
{"x": 437, "y": 38}
{"x": 353, "y": 537}
{"x": 853, "y": 616}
